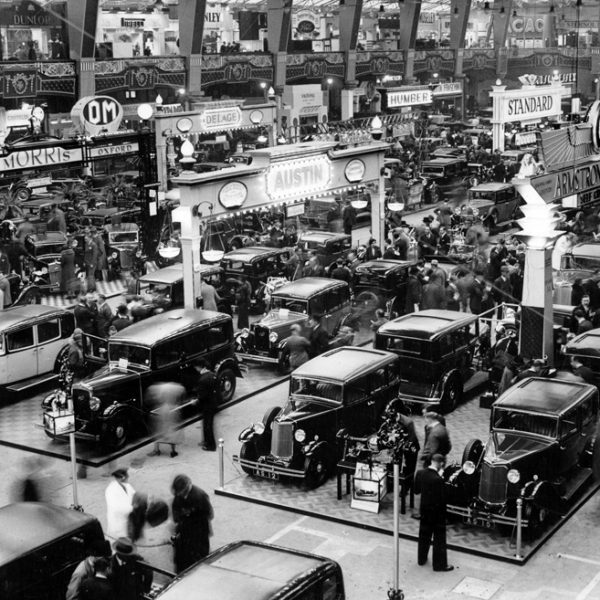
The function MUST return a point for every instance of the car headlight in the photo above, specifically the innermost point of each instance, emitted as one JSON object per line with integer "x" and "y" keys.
{"x": 513, "y": 476}
{"x": 94, "y": 403}
{"x": 300, "y": 435}
{"x": 273, "y": 337}
{"x": 469, "y": 467}
{"x": 259, "y": 428}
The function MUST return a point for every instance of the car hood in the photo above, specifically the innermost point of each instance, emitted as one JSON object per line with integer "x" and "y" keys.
{"x": 511, "y": 448}
{"x": 108, "y": 376}
{"x": 275, "y": 319}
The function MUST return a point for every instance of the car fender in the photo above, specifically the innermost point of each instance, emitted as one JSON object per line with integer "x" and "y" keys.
{"x": 114, "y": 410}
{"x": 316, "y": 446}
{"x": 247, "y": 434}
{"x": 442, "y": 384}
{"x": 542, "y": 494}
{"x": 229, "y": 363}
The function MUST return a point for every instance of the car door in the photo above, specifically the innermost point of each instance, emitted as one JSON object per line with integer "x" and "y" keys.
{"x": 21, "y": 353}
{"x": 569, "y": 440}
{"x": 359, "y": 412}
{"x": 49, "y": 344}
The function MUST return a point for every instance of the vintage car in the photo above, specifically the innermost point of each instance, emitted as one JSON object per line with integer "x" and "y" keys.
{"x": 37, "y": 209}
{"x": 293, "y": 303}
{"x": 169, "y": 281}
{"x": 122, "y": 238}
{"x": 111, "y": 406}
{"x": 377, "y": 282}
{"x": 343, "y": 391}
{"x": 43, "y": 268}
{"x": 539, "y": 450}
{"x": 255, "y": 264}
{"x": 321, "y": 213}
{"x": 259, "y": 571}
{"x": 33, "y": 340}
{"x": 40, "y": 547}
{"x": 99, "y": 217}
{"x": 328, "y": 246}
{"x": 586, "y": 347}
{"x": 443, "y": 171}
{"x": 495, "y": 203}
{"x": 436, "y": 348}
{"x": 581, "y": 262}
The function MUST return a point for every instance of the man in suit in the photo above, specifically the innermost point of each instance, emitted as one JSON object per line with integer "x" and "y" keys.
{"x": 97, "y": 587}
{"x": 104, "y": 317}
{"x": 430, "y": 484}
{"x": 502, "y": 289}
{"x": 476, "y": 294}
{"x": 437, "y": 439}
{"x": 318, "y": 337}
{"x": 130, "y": 579}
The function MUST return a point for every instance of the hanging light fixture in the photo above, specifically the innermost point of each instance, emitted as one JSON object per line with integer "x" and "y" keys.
{"x": 187, "y": 152}
{"x": 395, "y": 206}
{"x": 210, "y": 253}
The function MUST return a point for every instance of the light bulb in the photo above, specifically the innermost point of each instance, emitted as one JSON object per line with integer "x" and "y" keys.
{"x": 376, "y": 122}
{"x": 159, "y": 100}
{"x": 187, "y": 149}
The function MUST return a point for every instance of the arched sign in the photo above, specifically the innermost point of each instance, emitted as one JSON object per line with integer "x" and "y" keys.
{"x": 97, "y": 114}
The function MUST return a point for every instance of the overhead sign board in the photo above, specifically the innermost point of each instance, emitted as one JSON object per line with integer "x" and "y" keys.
{"x": 96, "y": 115}
{"x": 301, "y": 176}
{"x": 221, "y": 119}
{"x": 39, "y": 157}
{"x": 104, "y": 151}
{"x": 409, "y": 97}
{"x": 451, "y": 88}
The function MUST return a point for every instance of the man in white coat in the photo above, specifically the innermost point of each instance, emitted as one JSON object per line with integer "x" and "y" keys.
{"x": 119, "y": 498}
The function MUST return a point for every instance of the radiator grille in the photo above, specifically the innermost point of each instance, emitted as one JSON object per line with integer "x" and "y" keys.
{"x": 282, "y": 440}
{"x": 492, "y": 486}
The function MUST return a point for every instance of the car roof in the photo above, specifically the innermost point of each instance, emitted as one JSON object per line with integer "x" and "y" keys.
{"x": 427, "y": 324}
{"x": 383, "y": 264}
{"x": 586, "y": 250}
{"x": 307, "y": 286}
{"x": 159, "y": 327}
{"x": 25, "y": 526}
{"x": 587, "y": 343}
{"x": 174, "y": 273}
{"x": 12, "y": 317}
{"x": 248, "y": 253}
{"x": 321, "y": 236}
{"x": 50, "y": 237}
{"x": 543, "y": 395}
{"x": 101, "y": 212}
{"x": 245, "y": 569}
{"x": 440, "y": 160}
{"x": 345, "y": 363}
{"x": 490, "y": 187}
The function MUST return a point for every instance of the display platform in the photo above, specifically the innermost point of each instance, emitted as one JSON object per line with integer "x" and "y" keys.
{"x": 467, "y": 422}
{"x": 20, "y": 423}
{"x": 108, "y": 288}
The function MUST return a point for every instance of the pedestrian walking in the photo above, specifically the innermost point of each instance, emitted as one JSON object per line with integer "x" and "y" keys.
{"x": 192, "y": 513}
{"x": 210, "y": 297}
{"x": 432, "y": 527}
{"x": 206, "y": 386}
{"x": 164, "y": 400}
{"x": 243, "y": 296}
{"x": 90, "y": 260}
{"x": 414, "y": 291}
{"x": 297, "y": 347}
{"x": 348, "y": 217}
{"x": 318, "y": 337}
{"x": 119, "y": 504}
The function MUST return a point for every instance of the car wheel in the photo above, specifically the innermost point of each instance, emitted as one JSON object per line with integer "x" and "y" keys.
{"x": 316, "y": 470}
{"x": 452, "y": 395}
{"x": 225, "y": 385}
{"x": 60, "y": 358}
{"x": 235, "y": 244}
{"x": 270, "y": 416}
{"x": 473, "y": 451}
{"x": 248, "y": 452}
{"x": 283, "y": 361}
{"x": 492, "y": 222}
{"x": 115, "y": 434}
{"x": 537, "y": 517}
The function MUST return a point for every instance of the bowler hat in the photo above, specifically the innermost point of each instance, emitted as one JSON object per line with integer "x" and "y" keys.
{"x": 124, "y": 547}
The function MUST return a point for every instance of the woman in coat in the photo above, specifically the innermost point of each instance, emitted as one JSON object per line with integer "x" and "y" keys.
{"x": 68, "y": 281}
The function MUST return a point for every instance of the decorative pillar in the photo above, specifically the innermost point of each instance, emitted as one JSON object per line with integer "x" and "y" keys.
{"x": 279, "y": 27}
{"x": 82, "y": 19}
{"x": 191, "y": 34}
{"x": 348, "y": 101}
{"x": 409, "y": 22}
{"x": 459, "y": 18}
{"x": 497, "y": 95}
{"x": 86, "y": 77}
{"x": 349, "y": 23}
{"x": 500, "y": 16}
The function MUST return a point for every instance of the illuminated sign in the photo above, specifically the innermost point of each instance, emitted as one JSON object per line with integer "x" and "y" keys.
{"x": 39, "y": 157}
{"x": 233, "y": 194}
{"x": 97, "y": 114}
{"x": 355, "y": 170}
{"x": 221, "y": 119}
{"x": 298, "y": 177}
{"x": 448, "y": 89}
{"x": 102, "y": 151}
{"x": 531, "y": 107}
{"x": 409, "y": 97}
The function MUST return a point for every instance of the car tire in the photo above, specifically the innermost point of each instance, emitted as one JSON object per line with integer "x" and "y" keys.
{"x": 115, "y": 433}
{"x": 283, "y": 361}
{"x": 316, "y": 469}
{"x": 537, "y": 517}
{"x": 59, "y": 358}
{"x": 473, "y": 451}
{"x": 248, "y": 452}
{"x": 452, "y": 395}
{"x": 225, "y": 385}
{"x": 492, "y": 222}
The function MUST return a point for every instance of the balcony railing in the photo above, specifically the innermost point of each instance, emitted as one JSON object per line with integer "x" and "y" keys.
{"x": 27, "y": 79}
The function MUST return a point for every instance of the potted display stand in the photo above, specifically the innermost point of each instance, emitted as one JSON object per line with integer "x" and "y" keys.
{"x": 369, "y": 487}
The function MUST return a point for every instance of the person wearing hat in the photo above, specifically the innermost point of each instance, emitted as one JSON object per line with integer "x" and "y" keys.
{"x": 296, "y": 346}
{"x": 192, "y": 513}
{"x": 430, "y": 484}
{"x": 119, "y": 504}
{"x": 427, "y": 240}
{"x": 206, "y": 386}
{"x": 437, "y": 439}
{"x": 129, "y": 577}
{"x": 438, "y": 272}
{"x": 502, "y": 289}
{"x": 534, "y": 370}
{"x": 99, "y": 548}
{"x": 75, "y": 356}
{"x": 318, "y": 336}
{"x": 414, "y": 291}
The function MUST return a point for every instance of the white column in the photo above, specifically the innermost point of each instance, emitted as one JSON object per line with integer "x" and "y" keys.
{"x": 190, "y": 247}
{"x": 347, "y": 104}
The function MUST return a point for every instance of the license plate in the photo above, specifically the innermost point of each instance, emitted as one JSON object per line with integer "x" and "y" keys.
{"x": 267, "y": 474}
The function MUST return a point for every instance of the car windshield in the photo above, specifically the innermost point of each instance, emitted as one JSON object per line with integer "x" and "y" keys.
{"x": 306, "y": 391}
{"x": 40, "y": 250}
{"x": 433, "y": 171}
{"x": 475, "y": 195}
{"x": 147, "y": 288}
{"x": 408, "y": 346}
{"x": 585, "y": 263}
{"x": 293, "y": 304}
{"x": 137, "y": 355}
{"x": 123, "y": 237}
{"x": 525, "y": 422}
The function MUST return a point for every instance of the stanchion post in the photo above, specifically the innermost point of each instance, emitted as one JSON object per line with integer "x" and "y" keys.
{"x": 395, "y": 593}
{"x": 519, "y": 527}
{"x": 73, "y": 451}
{"x": 221, "y": 463}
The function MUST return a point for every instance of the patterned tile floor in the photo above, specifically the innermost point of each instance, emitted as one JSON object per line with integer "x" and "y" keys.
{"x": 108, "y": 288}
{"x": 467, "y": 422}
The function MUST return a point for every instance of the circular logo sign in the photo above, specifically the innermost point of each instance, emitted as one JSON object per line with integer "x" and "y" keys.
{"x": 97, "y": 114}
{"x": 184, "y": 124}
{"x": 355, "y": 170}
{"x": 233, "y": 194}
{"x": 256, "y": 116}
{"x": 305, "y": 27}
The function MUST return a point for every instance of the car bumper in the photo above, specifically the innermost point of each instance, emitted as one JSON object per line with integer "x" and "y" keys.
{"x": 261, "y": 358}
{"x": 268, "y": 470}
{"x": 421, "y": 400}
{"x": 483, "y": 517}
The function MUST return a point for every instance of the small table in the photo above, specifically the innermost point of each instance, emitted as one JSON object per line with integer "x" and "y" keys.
{"x": 347, "y": 468}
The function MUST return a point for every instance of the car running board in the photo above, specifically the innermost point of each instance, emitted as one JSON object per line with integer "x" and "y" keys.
{"x": 574, "y": 484}
{"x": 28, "y": 384}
